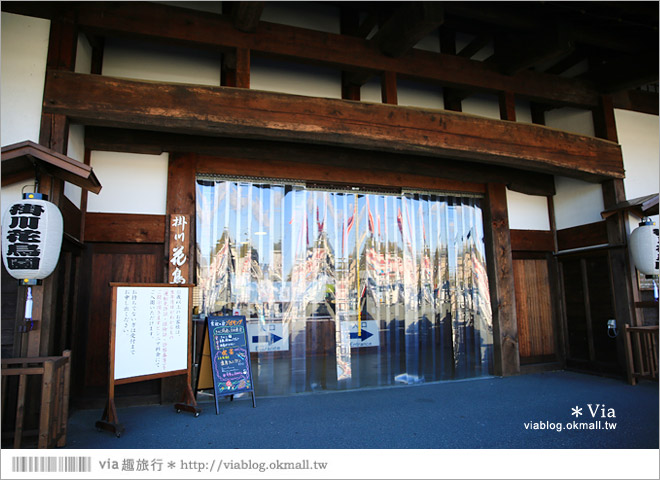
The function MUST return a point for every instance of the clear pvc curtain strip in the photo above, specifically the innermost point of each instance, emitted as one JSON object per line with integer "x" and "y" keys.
{"x": 346, "y": 290}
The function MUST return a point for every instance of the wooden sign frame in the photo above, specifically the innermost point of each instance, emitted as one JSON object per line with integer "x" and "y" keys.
{"x": 214, "y": 353}
{"x": 110, "y": 421}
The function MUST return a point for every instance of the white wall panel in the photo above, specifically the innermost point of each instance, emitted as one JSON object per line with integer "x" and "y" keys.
{"x": 132, "y": 183}
{"x": 83, "y": 55}
{"x": 75, "y": 150}
{"x": 296, "y": 79}
{"x": 571, "y": 120}
{"x": 417, "y": 94}
{"x": 527, "y": 212}
{"x": 638, "y": 137}
{"x": 147, "y": 61}
{"x": 23, "y": 57}
{"x": 313, "y": 15}
{"x": 577, "y": 202}
{"x": 483, "y": 105}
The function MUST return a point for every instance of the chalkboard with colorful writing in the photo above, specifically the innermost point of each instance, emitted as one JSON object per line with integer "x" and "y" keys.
{"x": 230, "y": 357}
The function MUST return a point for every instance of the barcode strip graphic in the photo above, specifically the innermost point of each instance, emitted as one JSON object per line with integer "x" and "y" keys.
{"x": 51, "y": 464}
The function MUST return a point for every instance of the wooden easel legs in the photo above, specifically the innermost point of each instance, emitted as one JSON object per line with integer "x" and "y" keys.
{"x": 109, "y": 420}
{"x": 188, "y": 403}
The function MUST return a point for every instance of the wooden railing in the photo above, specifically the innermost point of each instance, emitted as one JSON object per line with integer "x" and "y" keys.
{"x": 54, "y": 406}
{"x": 641, "y": 352}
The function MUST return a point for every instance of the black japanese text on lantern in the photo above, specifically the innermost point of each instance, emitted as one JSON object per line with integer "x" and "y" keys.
{"x": 24, "y": 236}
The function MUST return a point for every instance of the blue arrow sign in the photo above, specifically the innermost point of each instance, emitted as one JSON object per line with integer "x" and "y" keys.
{"x": 270, "y": 339}
{"x": 365, "y": 335}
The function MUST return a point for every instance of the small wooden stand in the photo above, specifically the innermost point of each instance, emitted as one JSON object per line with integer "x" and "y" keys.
{"x": 110, "y": 421}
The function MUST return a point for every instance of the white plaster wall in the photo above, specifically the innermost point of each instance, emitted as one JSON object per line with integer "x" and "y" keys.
{"x": 172, "y": 64}
{"x": 417, "y": 94}
{"x": 12, "y": 193}
{"x": 132, "y": 183}
{"x": 314, "y": 15}
{"x": 527, "y": 212}
{"x": 83, "y": 55}
{"x": 371, "y": 91}
{"x": 293, "y": 78}
{"x": 571, "y": 120}
{"x": 577, "y": 202}
{"x": 75, "y": 150}
{"x": 23, "y": 61}
{"x": 483, "y": 105}
{"x": 638, "y": 137}
{"x": 523, "y": 111}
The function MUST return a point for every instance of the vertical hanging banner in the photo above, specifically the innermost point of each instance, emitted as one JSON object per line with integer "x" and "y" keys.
{"x": 179, "y": 264}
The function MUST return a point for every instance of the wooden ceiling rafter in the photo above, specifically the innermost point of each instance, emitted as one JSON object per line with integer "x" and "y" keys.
{"x": 245, "y": 16}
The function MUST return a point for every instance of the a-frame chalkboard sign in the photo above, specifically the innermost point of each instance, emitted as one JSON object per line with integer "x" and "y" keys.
{"x": 150, "y": 337}
{"x": 230, "y": 357}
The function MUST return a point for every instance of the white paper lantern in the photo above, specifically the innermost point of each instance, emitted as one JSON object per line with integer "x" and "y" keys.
{"x": 644, "y": 248}
{"x": 32, "y": 232}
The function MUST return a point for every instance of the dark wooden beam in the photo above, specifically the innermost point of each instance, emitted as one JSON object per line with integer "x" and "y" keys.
{"x": 588, "y": 235}
{"x": 124, "y": 228}
{"x": 509, "y": 15}
{"x": 625, "y": 72}
{"x": 515, "y": 53}
{"x": 407, "y": 26}
{"x": 248, "y": 152}
{"x": 532, "y": 241}
{"x": 245, "y": 16}
{"x": 220, "y": 111}
{"x": 475, "y": 46}
{"x": 637, "y": 101}
{"x": 216, "y": 32}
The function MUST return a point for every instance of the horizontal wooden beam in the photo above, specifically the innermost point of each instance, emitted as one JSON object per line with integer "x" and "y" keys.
{"x": 334, "y": 175}
{"x": 240, "y": 113}
{"x": 582, "y": 236}
{"x": 155, "y": 143}
{"x": 347, "y": 53}
{"x": 124, "y": 228}
{"x": 532, "y": 241}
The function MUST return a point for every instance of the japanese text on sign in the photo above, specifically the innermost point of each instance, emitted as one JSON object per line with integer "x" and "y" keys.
{"x": 151, "y": 331}
{"x": 178, "y": 268}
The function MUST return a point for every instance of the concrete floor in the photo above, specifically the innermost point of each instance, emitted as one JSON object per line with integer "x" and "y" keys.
{"x": 522, "y": 412}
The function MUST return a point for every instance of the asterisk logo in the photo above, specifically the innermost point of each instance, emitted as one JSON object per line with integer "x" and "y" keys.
{"x": 577, "y": 411}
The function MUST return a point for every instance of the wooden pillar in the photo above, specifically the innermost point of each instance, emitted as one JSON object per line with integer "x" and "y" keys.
{"x": 236, "y": 68}
{"x": 388, "y": 88}
{"x": 500, "y": 277}
{"x": 507, "y": 106}
{"x": 624, "y": 283}
{"x": 180, "y": 200}
{"x": 54, "y": 134}
{"x": 349, "y": 24}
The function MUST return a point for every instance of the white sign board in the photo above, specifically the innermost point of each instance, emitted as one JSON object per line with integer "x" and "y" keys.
{"x": 151, "y": 330}
{"x": 368, "y": 336}
{"x": 268, "y": 337}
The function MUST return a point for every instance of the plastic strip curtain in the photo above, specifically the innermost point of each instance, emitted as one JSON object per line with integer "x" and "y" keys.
{"x": 345, "y": 290}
